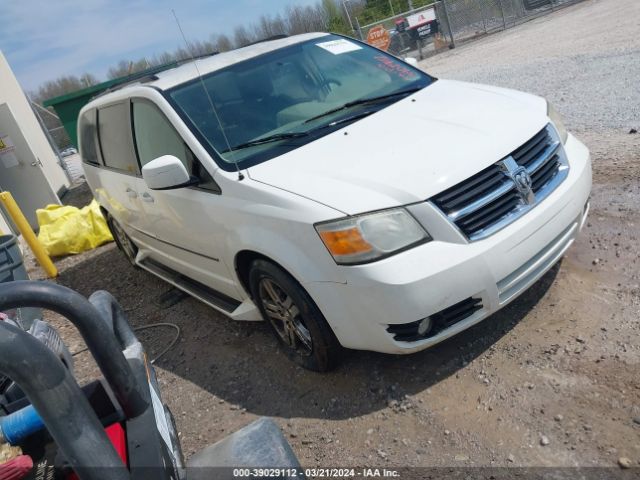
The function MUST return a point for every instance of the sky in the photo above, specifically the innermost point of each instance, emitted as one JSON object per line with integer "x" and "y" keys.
{"x": 44, "y": 39}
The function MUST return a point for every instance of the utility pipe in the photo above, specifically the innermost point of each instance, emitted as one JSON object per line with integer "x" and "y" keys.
{"x": 25, "y": 229}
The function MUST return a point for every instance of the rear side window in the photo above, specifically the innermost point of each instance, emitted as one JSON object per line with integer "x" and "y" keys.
{"x": 114, "y": 130}
{"x": 88, "y": 148}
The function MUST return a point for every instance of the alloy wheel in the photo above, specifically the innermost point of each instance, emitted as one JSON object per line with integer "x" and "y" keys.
{"x": 285, "y": 317}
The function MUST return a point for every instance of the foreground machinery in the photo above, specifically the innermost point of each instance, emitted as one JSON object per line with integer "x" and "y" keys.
{"x": 114, "y": 428}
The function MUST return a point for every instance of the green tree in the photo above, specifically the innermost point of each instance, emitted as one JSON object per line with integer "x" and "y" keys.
{"x": 335, "y": 21}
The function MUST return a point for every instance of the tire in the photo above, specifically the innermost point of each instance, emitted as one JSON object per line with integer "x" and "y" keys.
{"x": 301, "y": 329}
{"x": 124, "y": 243}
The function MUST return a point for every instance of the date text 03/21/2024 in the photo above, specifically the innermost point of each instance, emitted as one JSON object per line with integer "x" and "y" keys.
{"x": 315, "y": 472}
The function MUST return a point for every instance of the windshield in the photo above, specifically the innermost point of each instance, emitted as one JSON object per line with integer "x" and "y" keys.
{"x": 281, "y": 100}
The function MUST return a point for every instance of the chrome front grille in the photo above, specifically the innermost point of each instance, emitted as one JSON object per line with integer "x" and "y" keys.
{"x": 496, "y": 196}
{"x": 530, "y": 151}
{"x": 540, "y": 157}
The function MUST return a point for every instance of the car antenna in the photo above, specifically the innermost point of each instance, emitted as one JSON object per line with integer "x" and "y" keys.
{"x": 204, "y": 87}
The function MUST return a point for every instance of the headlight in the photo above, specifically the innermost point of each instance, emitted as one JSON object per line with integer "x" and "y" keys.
{"x": 371, "y": 236}
{"x": 556, "y": 119}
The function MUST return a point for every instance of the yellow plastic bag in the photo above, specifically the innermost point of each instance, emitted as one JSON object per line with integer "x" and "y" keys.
{"x": 68, "y": 230}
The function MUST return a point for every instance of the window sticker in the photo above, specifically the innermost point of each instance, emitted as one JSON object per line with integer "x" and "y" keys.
{"x": 396, "y": 68}
{"x": 339, "y": 46}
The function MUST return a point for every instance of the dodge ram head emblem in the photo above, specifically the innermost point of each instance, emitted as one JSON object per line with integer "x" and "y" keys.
{"x": 520, "y": 176}
{"x": 522, "y": 180}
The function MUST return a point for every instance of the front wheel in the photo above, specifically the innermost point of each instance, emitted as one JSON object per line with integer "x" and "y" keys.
{"x": 296, "y": 321}
{"x": 125, "y": 244}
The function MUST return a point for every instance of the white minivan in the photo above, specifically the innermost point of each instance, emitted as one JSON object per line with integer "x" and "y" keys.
{"x": 336, "y": 191}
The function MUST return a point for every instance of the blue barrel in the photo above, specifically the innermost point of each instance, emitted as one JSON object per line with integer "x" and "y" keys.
{"x": 12, "y": 268}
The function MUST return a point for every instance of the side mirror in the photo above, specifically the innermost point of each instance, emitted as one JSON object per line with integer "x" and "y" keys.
{"x": 411, "y": 61}
{"x": 165, "y": 173}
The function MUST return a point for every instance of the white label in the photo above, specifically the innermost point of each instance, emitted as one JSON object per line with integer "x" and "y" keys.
{"x": 339, "y": 46}
{"x": 161, "y": 418}
{"x": 7, "y": 152}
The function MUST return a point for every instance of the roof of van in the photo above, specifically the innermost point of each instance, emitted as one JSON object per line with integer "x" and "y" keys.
{"x": 188, "y": 71}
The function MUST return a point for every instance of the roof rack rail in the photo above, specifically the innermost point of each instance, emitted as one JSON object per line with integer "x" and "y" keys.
{"x": 197, "y": 57}
{"x": 280, "y": 36}
{"x": 150, "y": 74}
{"x": 143, "y": 78}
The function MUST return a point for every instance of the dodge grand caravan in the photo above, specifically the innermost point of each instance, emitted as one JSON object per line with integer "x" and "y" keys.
{"x": 341, "y": 194}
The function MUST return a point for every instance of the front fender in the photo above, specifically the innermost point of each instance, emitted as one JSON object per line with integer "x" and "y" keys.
{"x": 302, "y": 254}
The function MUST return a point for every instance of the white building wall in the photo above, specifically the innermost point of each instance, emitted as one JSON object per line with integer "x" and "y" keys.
{"x": 12, "y": 94}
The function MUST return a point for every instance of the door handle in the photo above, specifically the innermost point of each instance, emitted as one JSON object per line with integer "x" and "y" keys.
{"x": 131, "y": 193}
{"x": 147, "y": 198}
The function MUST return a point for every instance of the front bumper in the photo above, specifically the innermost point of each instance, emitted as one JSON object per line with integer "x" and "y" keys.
{"x": 427, "y": 279}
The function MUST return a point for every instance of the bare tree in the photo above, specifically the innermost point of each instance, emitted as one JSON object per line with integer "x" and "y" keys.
{"x": 268, "y": 27}
{"x": 201, "y": 48}
{"x": 223, "y": 43}
{"x": 125, "y": 68}
{"x": 324, "y": 15}
{"x": 242, "y": 37}
{"x": 62, "y": 86}
{"x": 295, "y": 19}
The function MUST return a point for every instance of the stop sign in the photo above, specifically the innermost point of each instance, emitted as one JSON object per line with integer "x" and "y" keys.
{"x": 378, "y": 37}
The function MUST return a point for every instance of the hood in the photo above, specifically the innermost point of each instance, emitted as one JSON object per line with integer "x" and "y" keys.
{"x": 411, "y": 150}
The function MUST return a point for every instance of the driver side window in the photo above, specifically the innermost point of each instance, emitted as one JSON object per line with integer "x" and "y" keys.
{"x": 155, "y": 136}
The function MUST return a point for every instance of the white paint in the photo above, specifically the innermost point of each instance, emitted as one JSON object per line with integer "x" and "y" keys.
{"x": 399, "y": 156}
{"x": 395, "y": 157}
{"x": 165, "y": 172}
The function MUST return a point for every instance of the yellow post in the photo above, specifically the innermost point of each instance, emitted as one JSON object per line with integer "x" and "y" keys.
{"x": 21, "y": 222}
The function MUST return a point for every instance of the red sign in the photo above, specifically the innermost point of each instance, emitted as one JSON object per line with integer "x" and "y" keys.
{"x": 378, "y": 37}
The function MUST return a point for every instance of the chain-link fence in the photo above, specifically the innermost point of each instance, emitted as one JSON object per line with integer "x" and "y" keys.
{"x": 424, "y": 31}
{"x": 60, "y": 142}
{"x": 415, "y": 33}
{"x": 53, "y": 126}
{"x": 471, "y": 18}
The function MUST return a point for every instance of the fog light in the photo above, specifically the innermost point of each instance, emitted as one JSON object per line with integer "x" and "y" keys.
{"x": 424, "y": 326}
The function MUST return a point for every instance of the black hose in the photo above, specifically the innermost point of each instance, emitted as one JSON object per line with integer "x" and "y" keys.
{"x": 112, "y": 312}
{"x": 96, "y": 330}
{"x": 55, "y": 395}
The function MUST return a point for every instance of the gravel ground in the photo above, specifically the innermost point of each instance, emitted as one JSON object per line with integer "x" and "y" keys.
{"x": 552, "y": 380}
{"x": 585, "y": 59}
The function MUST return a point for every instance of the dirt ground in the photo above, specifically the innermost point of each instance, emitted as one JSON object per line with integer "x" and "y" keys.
{"x": 551, "y": 380}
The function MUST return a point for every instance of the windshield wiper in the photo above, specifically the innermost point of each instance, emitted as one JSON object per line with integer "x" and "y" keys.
{"x": 271, "y": 138}
{"x": 340, "y": 121}
{"x": 363, "y": 101}
{"x": 285, "y": 136}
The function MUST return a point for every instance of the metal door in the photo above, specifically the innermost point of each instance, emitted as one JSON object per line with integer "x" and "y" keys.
{"x": 20, "y": 170}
